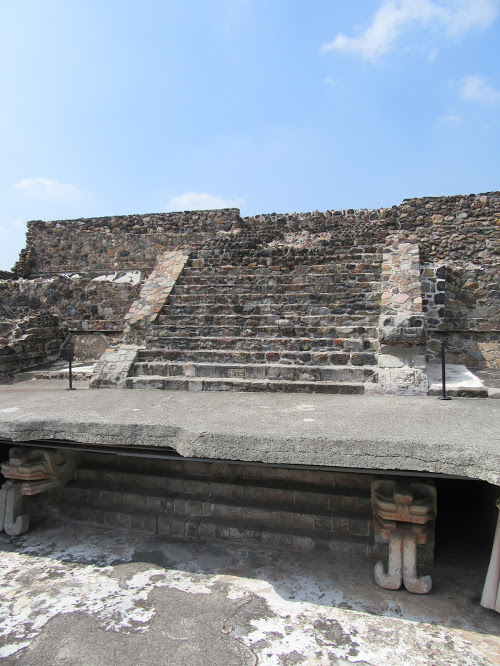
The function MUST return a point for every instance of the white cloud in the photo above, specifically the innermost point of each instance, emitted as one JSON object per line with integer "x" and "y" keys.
{"x": 47, "y": 188}
{"x": 476, "y": 88}
{"x": 330, "y": 81}
{"x": 450, "y": 119}
{"x": 201, "y": 201}
{"x": 451, "y": 17}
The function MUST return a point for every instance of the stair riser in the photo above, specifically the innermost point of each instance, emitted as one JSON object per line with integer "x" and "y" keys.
{"x": 207, "y": 528}
{"x": 279, "y": 345}
{"x": 334, "y": 274}
{"x": 190, "y": 276}
{"x": 362, "y": 299}
{"x": 262, "y": 319}
{"x": 242, "y": 386}
{"x": 248, "y": 289}
{"x": 289, "y": 373}
{"x": 109, "y": 517}
{"x": 343, "y": 315}
{"x": 208, "y": 356}
{"x": 364, "y": 265}
{"x": 176, "y": 330}
{"x": 104, "y": 468}
{"x": 104, "y": 498}
{"x": 355, "y": 523}
{"x": 210, "y": 489}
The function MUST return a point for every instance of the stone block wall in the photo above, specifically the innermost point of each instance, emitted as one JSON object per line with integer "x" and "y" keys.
{"x": 459, "y": 235}
{"x": 459, "y": 240}
{"x": 472, "y": 316}
{"x": 83, "y": 303}
{"x": 74, "y": 304}
{"x": 128, "y": 242}
{"x": 31, "y": 341}
{"x": 453, "y": 229}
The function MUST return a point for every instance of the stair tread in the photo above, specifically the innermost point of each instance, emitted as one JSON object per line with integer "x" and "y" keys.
{"x": 262, "y": 381}
{"x": 303, "y": 508}
{"x": 244, "y": 366}
{"x": 255, "y": 338}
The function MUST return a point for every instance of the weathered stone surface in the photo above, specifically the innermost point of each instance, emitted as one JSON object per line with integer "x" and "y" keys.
{"x": 153, "y": 296}
{"x": 402, "y": 329}
{"x": 88, "y": 272}
{"x": 360, "y": 432}
{"x": 12, "y": 520}
{"x": 114, "y": 367}
{"x": 39, "y": 470}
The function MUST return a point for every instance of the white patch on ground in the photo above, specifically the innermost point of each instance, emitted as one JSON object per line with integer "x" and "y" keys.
{"x": 36, "y": 589}
{"x": 8, "y": 410}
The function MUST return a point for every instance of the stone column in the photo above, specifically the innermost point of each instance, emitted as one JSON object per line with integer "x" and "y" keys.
{"x": 402, "y": 324}
{"x": 403, "y": 514}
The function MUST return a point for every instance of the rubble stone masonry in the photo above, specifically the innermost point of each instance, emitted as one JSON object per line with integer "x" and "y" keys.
{"x": 88, "y": 272}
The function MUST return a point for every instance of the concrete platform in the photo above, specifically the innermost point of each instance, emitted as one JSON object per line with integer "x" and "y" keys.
{"x": 460, "y": 437}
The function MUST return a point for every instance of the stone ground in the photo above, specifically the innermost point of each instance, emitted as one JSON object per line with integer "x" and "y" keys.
{"x": 74, "y": 594}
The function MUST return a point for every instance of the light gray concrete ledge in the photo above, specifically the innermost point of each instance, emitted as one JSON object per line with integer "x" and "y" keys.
{"x": 414, "y": 434}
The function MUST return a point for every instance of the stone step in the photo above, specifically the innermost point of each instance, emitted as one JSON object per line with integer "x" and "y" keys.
{"x": 271, "y": 371}
{"x": 244, "y": 385}
{"x": 276, "y": 484}
{"x": 287, "y": 507}
{"x": 305, "y": 514}
{"x": 283, "y": 281}
{"x": 236, "y": 531}
{"x": 241, "y": 356}
{"x": 298, "y": 486}
{"x": 303, "y": 508}
{"x": 113, "y": 516}
{"x": 361, "y": 287}
{"x": 200, "y": 318}
{"x": 286, "y": 330}
{"x": 243, "y": 474}
{"x": 370, "y": 263}
{"x": 357, "y": 317}
{"x": 287, "y": 298}
{"x": 278, "y": 344}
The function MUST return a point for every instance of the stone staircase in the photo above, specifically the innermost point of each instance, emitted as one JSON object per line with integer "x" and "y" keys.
{"x": 309, "y": 329}
{"x": 292, "y": 508}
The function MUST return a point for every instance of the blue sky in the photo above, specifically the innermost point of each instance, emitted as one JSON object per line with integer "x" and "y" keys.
{"x": 116, "y": 107}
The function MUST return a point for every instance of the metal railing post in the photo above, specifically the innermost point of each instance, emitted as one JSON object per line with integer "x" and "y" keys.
{"x": 70, "y": 348}
{"x": 443, "y": 395}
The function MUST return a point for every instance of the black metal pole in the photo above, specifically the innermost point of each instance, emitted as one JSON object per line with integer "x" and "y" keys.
{"x": 443, "y": 372}
{"x": 70, "y": 361}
